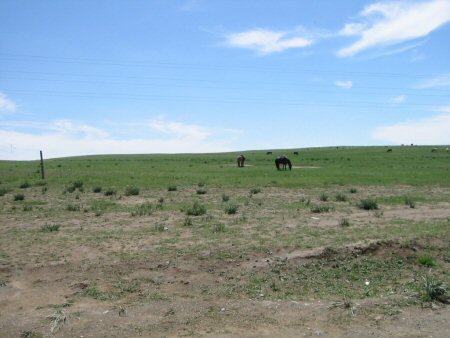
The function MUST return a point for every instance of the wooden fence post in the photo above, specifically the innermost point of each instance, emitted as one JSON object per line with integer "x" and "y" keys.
{"x": 42, "y": 166}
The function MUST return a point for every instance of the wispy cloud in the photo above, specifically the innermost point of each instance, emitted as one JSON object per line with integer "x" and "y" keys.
{"x": 71, "y": 138}
{"x": 432, "y": 130}
{"x": 266, "y": 41}
{"x": 442, "y": 80}
{"x": 6, "y": 105}
{"x": 344, "y": 84}
{"x": 388, "y": 23}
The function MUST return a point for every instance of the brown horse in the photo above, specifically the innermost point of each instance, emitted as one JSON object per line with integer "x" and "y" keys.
{"x": 240, "y": 161}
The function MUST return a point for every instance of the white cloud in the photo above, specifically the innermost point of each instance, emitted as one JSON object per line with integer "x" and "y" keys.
{"x": 444, "y": 109}
{"x": 438, "y": 81}
{"x": 6, "y": 105}
{"x": 344, "y": 84}
{"x": 266, "y": 41}
{"x": 68, "y": 138}
{"x": 391, "y": 23}
{"x": 433, "y": 130}
{"x": 399, "y": 99}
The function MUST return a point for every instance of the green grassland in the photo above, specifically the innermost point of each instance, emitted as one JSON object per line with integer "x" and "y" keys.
{"x": 406, "y": 165}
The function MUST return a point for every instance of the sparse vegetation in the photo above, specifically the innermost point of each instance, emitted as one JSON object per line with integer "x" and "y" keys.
{"x": 231, "y": 209}
{"x": 172, "y": 188}
{"x": 143, "y": 209}
{"x": 19, "y": 197}
{"x": 110, "y": 192}
{"x": 426, "y": 260}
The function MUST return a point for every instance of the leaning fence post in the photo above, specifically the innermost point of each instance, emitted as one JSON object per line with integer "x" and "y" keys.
{"x": 42, "y": 166}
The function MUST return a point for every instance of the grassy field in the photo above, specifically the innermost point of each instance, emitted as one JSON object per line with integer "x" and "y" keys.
{"x": 345, "y": 244}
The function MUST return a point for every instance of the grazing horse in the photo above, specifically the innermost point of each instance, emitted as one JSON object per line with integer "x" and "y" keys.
{"x": 240, "y": 161}
{"x": 389, "y": 150}
{"x": 269, "y": 153}
{"x": 284, "y": 161}
{"x": 295, "y": 152}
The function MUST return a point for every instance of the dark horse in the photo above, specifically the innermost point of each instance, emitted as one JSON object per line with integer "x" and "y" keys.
{"x": 240, "y": 161}
{"x": 283, "y": 161}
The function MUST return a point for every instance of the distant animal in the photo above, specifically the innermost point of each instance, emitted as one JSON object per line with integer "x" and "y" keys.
{"x": 295, "y": 152}
{"x": 240, "y": 161}
{"x": 269, "y": 153}
{"x": 434, "y": 150}
{"x": 282, "y": 162}
{"x": 389, "y": 150}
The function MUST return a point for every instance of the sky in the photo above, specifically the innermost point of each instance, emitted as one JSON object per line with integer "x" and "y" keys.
{"x": 91, "y": 77}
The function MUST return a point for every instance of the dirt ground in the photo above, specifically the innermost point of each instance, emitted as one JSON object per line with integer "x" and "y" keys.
{"x": 115, "y": 275}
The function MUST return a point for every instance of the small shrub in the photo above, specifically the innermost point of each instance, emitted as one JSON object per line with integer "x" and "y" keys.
{"x": 255, "y": 191}
{"x": 97, "y": 189}
{"x": 24, "y": 185}
{"x": 44, "y": 190}
{"x": 201, "y": 184}
{"x": 353, "y": 190}
{"x": 172, "y": 188}
{"x": 225, "y": 197}
{"x": 426, "y": 260}
{"x": 27, "y": 208}
{"x": 201, "y": 191}
{"x": 340, "y": 197}
{"x": 305, "y": 201}
{"x": 197, "y": 209}
{"x": 344, "y": 222}
{"x": 19, "y": 197}
{"x": 131, "y": 191}
{"x": 70, "y": 189}
{"x": 323, "y": 197}
{"x": 368, "y": 204}
{"x": 231, "y": 209}
{"x": 50, "y": 227}
{"x": 110, "y": 192}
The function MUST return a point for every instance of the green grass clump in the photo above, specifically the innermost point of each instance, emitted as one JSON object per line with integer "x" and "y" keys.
{"x": 144, "y": 209}
{"x": 97, "y": 189}
{"x": 409, "y": 201}
{"x": 353, "y": 190}
{"x": 19, "y": 197}
{"x": 231, "y": 209}
{"x": 255, "y": 191}
{"x": 323, "y": 197}
{"x": 197, "y": 209}
{"x": 340, "y": 197}
{"x": 218, "y": 227}
{"x": 225, "y": 197}
{"x": 4, "y": 191}
{"x": 72, "y": 207}
{"x": 50, "y": 227}
{"x": 431, "y": 289}
{"x": 24, "y": 185}
{"x": 172, "y": 187}
{"x": 187, "y": 222}
{"x": 344, "y": 222}
{"x": 131, "y": 191}
{"x": 317, "y": 209}
{"x": 110, "y": 192}
{"x": 201, "y": 191}
{"x": 426, "y": 260}
{"x": 368, "y": 204}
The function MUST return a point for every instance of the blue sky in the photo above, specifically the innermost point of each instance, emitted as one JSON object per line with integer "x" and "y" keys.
{"x": 96, "y": 77}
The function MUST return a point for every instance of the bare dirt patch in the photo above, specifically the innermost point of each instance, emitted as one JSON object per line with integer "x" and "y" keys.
{"x": 275, "y": 268}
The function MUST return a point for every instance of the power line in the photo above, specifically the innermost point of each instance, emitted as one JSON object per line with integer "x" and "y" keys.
{"x": 110, "y": 62}
{"x": 264, "y": 100}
